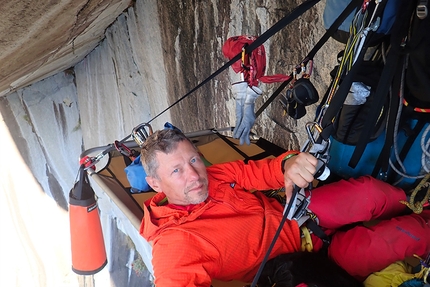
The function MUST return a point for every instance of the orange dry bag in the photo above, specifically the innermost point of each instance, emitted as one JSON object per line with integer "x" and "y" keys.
{"x": 88, "y": 248}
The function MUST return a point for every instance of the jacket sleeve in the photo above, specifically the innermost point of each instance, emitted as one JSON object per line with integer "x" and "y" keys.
{"x": 179, "y": 260}
{"x": 260, "y": 174}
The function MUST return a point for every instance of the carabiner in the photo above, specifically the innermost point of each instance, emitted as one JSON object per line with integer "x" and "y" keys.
{"x": 139, "y": 133}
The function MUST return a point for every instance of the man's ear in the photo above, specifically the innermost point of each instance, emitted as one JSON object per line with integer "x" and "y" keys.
{"x": 153, "y": 182}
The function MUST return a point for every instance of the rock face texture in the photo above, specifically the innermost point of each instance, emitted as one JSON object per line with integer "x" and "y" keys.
{"x": 91, "y": 84}
{"x": 41, "y": 38}
{"x": 192, "y": 38}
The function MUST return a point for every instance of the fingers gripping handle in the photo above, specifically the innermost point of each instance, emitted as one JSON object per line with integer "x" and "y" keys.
{"x": 300, "y": 202}
{"x": 320, "y": 151}
{"x": 323, "y": 172}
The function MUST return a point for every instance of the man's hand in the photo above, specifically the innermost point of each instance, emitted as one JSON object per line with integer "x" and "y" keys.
{"x": 299, "y": 170}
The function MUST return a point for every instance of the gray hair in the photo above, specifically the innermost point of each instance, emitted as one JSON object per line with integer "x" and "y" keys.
{"x": 164, "y": 141}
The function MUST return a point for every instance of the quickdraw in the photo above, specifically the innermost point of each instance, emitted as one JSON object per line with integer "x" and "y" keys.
{"x": 139, "y": 135}
{"x": 124, "y": 150}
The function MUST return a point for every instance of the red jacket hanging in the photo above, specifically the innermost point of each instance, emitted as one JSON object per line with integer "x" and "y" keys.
{"x": 253, "y": 65}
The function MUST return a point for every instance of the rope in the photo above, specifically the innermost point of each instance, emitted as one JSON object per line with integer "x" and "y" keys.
{"x": 425, "y": 158}
{"x": 417, "y": 207}
{"x": 349, "y": 57}
{"x": 278, "y": 231}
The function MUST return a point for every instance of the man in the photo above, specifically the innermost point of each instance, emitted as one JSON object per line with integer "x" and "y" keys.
{"x": 205, "y": 224}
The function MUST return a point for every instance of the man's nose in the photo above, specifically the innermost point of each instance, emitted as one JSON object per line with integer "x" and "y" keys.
{"x": 192, "y": 172}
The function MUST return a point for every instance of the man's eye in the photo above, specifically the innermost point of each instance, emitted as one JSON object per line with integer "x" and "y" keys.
{"x": 193, "y": 160}
{"x": 175, "y": 170}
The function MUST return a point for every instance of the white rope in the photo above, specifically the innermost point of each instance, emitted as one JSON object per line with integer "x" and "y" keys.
{"x": 396, "y": 126}
{"x": 425, "y": 158}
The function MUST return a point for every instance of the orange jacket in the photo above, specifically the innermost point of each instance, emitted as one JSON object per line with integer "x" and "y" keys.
{"x": 227, "y": 236}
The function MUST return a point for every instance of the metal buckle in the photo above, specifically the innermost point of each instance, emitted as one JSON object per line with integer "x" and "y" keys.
{"x": 299, "y": 206}
{"x": 139, "y": 133}
{"x": 422, "y": 10}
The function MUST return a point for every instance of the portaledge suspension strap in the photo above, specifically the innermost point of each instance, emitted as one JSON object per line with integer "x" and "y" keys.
{"x": 296, "y": 189}
{"x": 278, "y": 231}
{"x": 298, "y": 11}
{"x": 330, "y": 32}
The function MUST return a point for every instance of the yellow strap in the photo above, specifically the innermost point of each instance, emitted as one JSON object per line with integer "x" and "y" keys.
{"x": 306, "y": 240}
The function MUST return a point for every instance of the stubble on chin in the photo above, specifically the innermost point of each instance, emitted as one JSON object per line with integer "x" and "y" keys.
{"x": 200, "y": 196}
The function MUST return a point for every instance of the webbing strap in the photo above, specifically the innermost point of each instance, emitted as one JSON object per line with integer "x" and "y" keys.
{"x": 341, "y": 93}
{"x": 299, "y": 10}
{"x": 278, "y": 231}
{"x": 316, "y": 229}
{"x": 330, "y": 32}
{"x": 393, "y": 62}
{"x": 382, "y": 163}
{"x": 233, "y": 146}
{"x": 311, "y": 54}
{"x": 374, "y": 112}
{"x": 78, "y": 191}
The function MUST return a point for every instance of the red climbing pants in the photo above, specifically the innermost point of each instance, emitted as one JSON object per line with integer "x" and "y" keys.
{"x": 361, "y": 250}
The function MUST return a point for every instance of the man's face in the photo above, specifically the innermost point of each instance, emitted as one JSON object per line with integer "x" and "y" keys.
{"x": 182, "y": 175}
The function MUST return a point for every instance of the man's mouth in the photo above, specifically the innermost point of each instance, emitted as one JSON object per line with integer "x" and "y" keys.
{"x": 196, "y": 188}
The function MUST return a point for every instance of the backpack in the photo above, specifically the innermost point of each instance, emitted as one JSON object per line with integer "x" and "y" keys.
{"x": 376, "y": 110}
